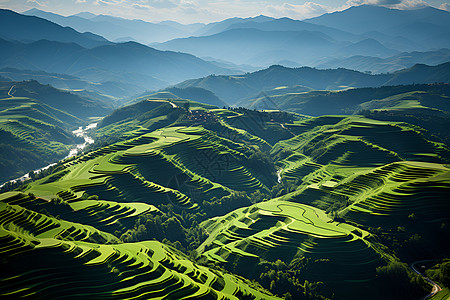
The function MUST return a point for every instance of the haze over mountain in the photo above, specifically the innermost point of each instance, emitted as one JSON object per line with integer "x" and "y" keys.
{"x": 216, "y": 181}
{"x": 139, "y": 66}
{"x": 14, "y": 26}
{"x": 389, "y": 64}
{"x": 404, "y": 30}
{"x": 233, "y": 89}
{"x": 327, "y": 37}
{"x": 119, "y": 29}
{"x": 256, "y": 47}
{"x": 384, "y": 20}
{"x": 217, "y": 27}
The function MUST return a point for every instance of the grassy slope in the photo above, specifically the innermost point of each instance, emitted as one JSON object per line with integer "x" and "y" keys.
{"x": 349, "y": 101}
{"x": 238, "y": 90}
{"x": 351, "y": 168}
{"x": 343, "y": 175}
{"x": 74, "y": 260}
{"x": 35, "y": 126}
{"x": 32, "y": 134}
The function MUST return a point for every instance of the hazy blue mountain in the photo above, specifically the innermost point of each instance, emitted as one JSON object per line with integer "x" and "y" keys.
{"x": 235, "y": 89}
{"x": 84, "y": 14}
{"x": 287, "y": 24}
{"x": 398, "y": 43}
{"x": 431, "y": 35}
{"x": 378, "y": 18}
{"x": 217, "y": 27}
{"x": 137, "y": 58}
{"x": 23, "y": 28}
{"x": 144, "y": 32}
{"x": 389, "y": 64}
{"x": 427, "y": 26}
{"x": 118, "y": 29}
{"x": 102, "y": 84}
{"x": 421, "y": 73}
{"x": 369, "y": 47}
{"x": 257, "y": 47}
{"x": 264, "y": 43}
{"x": 131, "y": 63}
{"x": 183, "y": 27}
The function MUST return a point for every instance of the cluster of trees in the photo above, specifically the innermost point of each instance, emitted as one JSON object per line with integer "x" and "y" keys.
{"x": 219, "y": 207}
{"x": 172, "y": 226}
{"x": 262, "y": 166}
{"x": 400, "y": 282}
{"x": 440, "y": 273}
{"x": 284, "y": 281}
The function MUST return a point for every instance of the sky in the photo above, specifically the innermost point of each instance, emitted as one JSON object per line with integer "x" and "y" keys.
{"x": 193, "y": 11}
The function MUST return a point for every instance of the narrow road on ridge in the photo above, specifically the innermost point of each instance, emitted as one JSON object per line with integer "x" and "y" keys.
{"x": 436, "y": 287}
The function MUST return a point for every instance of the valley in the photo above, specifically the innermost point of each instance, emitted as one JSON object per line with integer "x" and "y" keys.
{"x": 173, "y": 166}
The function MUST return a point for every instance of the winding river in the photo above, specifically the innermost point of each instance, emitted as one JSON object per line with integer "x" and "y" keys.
{"x": 80, "y": 132}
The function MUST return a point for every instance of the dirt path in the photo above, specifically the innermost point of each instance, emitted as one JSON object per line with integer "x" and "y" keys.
{"x": 10, "y": 90}
{"x": 164, "y": 101}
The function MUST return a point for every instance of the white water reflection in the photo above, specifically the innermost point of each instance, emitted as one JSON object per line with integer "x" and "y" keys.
{"x": 80, "y": 132}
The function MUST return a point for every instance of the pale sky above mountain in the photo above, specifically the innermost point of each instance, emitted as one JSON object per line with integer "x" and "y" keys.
{"x": 192, "y": 11}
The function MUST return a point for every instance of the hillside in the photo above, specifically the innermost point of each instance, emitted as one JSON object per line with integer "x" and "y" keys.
{"x": 68, "y": 254}
{"x": 390, "y": 64}
{"x": 166, "y": 172}
{"x": 126, "y": 63}
{"x": 332, "y": 38}
{"x": 425, "y": 26}
{"x": 243, "y": 89}
{"x": 237, "y": 187}
{"x": 110, "y": 85}
{"x": 332, "y": 102}
{"x": 81, "y": 107}
{"x": 14, "y": 26}
{"x": 35, "y": 125}
{"x": 262, "y": 48}
{"x": 115, "y": 29}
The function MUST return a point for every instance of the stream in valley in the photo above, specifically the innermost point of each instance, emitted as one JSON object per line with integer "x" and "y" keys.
{"x": 80, "y": 132}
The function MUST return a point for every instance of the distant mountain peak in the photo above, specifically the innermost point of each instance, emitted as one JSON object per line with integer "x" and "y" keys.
{"x": 85, "y": 15}
{"x": 31, "y": 11}
{"x": 262, "y": 18}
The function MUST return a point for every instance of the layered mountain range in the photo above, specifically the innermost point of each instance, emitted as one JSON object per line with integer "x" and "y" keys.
{"x": 113, "y": 53}
{"x": 232, "y": 160}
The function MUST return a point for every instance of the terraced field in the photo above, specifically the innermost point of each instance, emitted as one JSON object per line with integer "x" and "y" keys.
{"x": 197, "y": 165}
{"x": 71, "y": 260}
{"x": 280, "y": 228}
{"x": 345, "y": 183}
{"x": 104, "y": 215}
{"x": 405, "y": 187}
{"x": 34, "y": 132}
{"x": 357, "y": 141}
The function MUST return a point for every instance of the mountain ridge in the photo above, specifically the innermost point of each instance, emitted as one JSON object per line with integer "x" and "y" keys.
{"x": 30, "y": 28}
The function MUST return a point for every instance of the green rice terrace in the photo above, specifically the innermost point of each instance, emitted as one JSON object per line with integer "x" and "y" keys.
{"x": 183, "y": 200}
{"x": 71, "y": 260}
{"x": 34, "y": 132}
